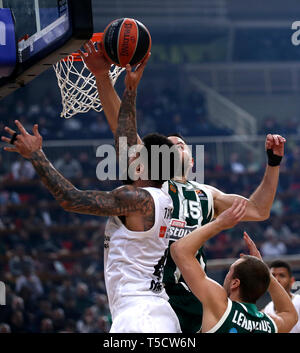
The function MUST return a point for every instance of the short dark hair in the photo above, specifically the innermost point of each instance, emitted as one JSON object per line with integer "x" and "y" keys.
{"x": 156, "y": 139}
{"x": 280, "y": 263}
{"x": 254, "y": 276}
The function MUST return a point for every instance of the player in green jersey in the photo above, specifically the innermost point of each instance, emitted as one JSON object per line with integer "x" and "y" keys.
{"x": 194, "y": 204}
{"x": 231, "y": 308}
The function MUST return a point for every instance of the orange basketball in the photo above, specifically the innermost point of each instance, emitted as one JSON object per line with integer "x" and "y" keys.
{"x": 126, "y": 41}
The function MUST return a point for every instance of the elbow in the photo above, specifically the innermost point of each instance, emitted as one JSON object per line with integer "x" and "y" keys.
{"x": 66, "y": 205}
{"x": 258, "y": 212}
{"x": 68, "y": 199}
{"x": 174, "y": 250}
{"x": 260, "y": 215}
{"x": 264, "y": 216}
{"x": 291, "y": 319}
{"x": 177, "y": 253}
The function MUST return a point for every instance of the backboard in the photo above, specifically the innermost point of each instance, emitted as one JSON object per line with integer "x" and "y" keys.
{"x": 44, "y": 32}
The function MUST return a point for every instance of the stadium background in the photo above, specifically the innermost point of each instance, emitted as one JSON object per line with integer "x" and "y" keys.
{"x": 223, "y": 74}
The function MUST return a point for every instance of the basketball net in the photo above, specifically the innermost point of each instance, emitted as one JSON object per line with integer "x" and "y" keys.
{"x": 77, "y": 84}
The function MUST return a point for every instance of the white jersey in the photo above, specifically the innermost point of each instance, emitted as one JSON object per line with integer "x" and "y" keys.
{"x": 269, "y": 309}
{"x": 134, "y": 261}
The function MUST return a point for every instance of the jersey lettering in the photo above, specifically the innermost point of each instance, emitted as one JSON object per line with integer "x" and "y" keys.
{"x": 178, "y": 229}
{"x": 241, "y": 320}
{"x": 157, "y": 286}
{"x": 168, "y": 213}
{"x": 191, "y": 209}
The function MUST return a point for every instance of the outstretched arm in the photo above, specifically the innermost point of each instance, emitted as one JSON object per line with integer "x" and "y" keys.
{"x": 286, "y": 315}
{"x": 210, "y": 293}
{"x": 127, "y": 114}
{"x": 122, "y": 201}
{"x": 99, "y": 66}
{"x": 260, "y": 202}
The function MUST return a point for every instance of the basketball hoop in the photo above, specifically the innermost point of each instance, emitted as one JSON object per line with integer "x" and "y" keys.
{"x": 77, "y": 84}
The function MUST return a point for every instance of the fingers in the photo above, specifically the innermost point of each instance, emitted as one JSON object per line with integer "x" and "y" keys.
{"x": 247, "y": 238}
{"x": 276, "y": 140}
{"x": 128, "y": 68}
{"x": 235, "y": 203}
{"x": 252, "y": 246}
{"x": 143, "y": 63}
{"x": 141, "y": 66}
{"x": 272, "y": 140}
{"x": 35, "y": 130}
{"x": 5, "y": 139}
{"x": 90, "y": 47}
{"x": 20, "y": 127}
{"x": 238, "y": 208}
{"x": 145, "y": 60}
{"x": 10, "y": 149}
{"x": 250, "y": 243}
{"x": 9, "y": 130}
{"x": 241, "y": 209}
{"x": 82, "y": 54}
{"x": 100, "y": 46}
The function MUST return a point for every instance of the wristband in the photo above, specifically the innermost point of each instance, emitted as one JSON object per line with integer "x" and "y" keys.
{"x": 273, "y": 159}
{"x": 13, "y": 138}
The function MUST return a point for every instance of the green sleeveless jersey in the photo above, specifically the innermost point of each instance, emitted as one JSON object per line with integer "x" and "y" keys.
{"x": 193, "y": 207}
{"x": 244, "y": 318}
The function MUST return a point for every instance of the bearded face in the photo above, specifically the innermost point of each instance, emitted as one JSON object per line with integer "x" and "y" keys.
{"x": 185, "y": 153}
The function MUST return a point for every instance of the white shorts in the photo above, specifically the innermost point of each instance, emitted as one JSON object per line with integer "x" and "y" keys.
{"x": 144, "y": 314}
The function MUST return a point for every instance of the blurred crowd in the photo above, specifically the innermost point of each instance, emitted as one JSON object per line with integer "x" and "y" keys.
{"x": 164, "y": 111}
{"x": 51, "y": 261}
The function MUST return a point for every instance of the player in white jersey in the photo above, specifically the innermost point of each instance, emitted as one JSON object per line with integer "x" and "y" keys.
{"x": 134, "y": 263}
{"x": 135, "y": 239}
{"x": 282, "y": 271}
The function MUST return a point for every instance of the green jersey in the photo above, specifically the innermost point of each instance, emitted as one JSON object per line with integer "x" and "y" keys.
{"x": 193, "y": 207}
{"x": 244, "y": 318}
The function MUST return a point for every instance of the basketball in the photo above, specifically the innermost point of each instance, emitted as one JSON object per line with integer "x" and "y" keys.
{"x": 126, "y": 41}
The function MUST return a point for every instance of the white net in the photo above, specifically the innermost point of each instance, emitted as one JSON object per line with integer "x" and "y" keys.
{"x": 78, "y": 87}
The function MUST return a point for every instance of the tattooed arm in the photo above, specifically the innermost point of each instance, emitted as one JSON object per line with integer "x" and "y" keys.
{"x": 100, "y": 67}
{"x": 119, "y": 202}
{"x": 127, "y": 114}
{"x": 127, "y": 120}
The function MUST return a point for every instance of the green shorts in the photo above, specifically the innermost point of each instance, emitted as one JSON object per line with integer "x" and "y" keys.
{"x": 187, "y": 308}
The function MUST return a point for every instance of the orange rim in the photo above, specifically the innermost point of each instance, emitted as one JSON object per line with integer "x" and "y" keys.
{"x": 76, "y": 56}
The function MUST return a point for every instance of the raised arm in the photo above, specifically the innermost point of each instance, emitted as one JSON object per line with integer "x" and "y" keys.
{"x": 99, "y": 66}
{"x": 119, "y": 202}
{"x": 286, "y": 315}
{"x": 127, "y": 114}
{"x": 260, "y": 202}
{"x": 210, "y": 293}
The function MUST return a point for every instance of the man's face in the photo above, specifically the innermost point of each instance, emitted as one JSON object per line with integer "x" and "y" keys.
{"x": 283, "y": 277}
{"x": 229, "y": 277}
{"x": 185, "y": 153}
